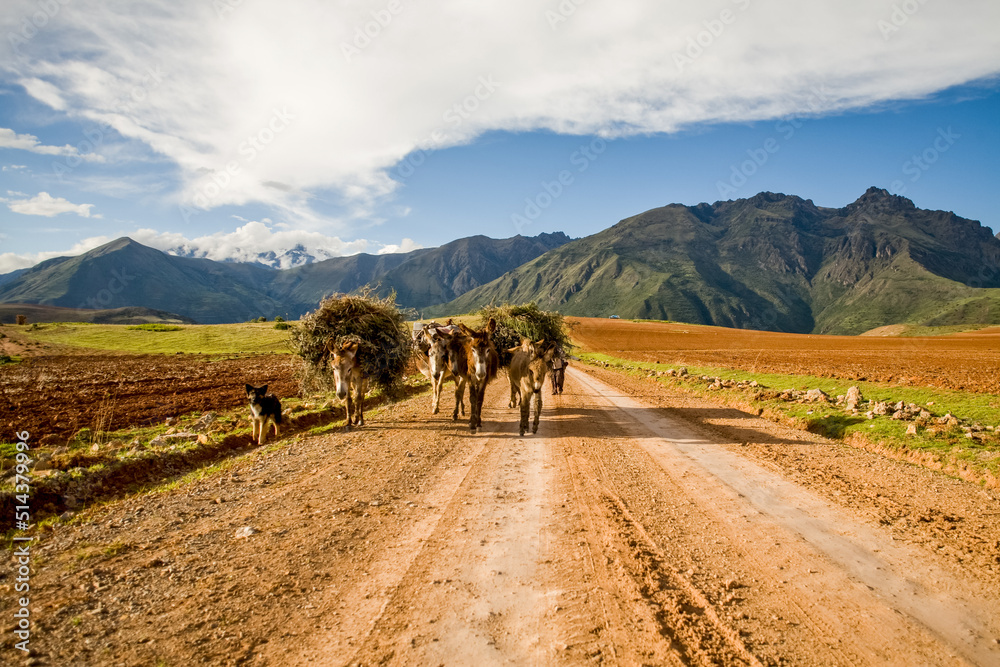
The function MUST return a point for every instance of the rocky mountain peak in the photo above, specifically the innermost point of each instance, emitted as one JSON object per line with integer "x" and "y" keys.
{"x": 879, "y": 200}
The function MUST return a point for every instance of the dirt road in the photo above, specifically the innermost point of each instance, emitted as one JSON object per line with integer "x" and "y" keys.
{"x": 635, "y": 528}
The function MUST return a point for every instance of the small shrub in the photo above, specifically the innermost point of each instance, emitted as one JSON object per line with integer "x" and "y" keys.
{"x": 278, "y": 319}
{"x": 373, "y": 322}
{"x": 281, "y": 326}
{"x": 524, "y": 321}
{"x": 84, "y": 436}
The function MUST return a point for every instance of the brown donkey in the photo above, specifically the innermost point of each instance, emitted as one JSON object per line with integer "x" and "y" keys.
{"x": 431, "y": 351}
{"x": 474, "y": 358}
{"x": 527, "y": 377}
{"x": 351, "y": 383}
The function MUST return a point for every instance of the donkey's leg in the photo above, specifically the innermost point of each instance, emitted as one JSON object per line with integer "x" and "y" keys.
{"x": 480, "y": 398}
{"x": 474, "y": 407}
{"x": 438, "y": 383}
{"x": 515, "y": 393}
{"x": 525, "y": 409}
{"x": 459, "y": 397}
{"x": 538, "y": 410}
{"x": 359, "y": 403}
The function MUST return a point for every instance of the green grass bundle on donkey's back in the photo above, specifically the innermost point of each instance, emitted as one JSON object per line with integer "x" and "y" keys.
{"x": 375, "y": 323}
{"x": 523, "y": 321}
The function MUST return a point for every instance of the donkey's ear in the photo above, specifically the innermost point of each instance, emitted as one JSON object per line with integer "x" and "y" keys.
{"x": 331, "y": 344}
{"x": 514, "y": 349}
{"x": 351, "y": 347}
{"x": 491, "y": 326}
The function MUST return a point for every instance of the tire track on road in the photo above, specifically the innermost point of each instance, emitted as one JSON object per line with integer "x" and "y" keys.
{"x": 905, "y": 597}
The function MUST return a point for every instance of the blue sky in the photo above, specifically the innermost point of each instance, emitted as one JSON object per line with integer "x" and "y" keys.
{"x": 231, "y": 128}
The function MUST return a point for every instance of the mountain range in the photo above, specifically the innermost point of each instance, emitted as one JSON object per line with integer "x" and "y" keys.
{"x": 772, "y": 261}
{"x": 125, "y": 273}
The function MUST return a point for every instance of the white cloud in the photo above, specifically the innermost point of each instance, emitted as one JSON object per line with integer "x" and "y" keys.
{"x": 297, "y": 101}
{"x": 14, "y": 167}
{"x": 28, "y": 142}
{"x": 406, "y": 245}
{"x": 10, "y": 261}
{"x": 46, "y": 205}
{"x": 255, "y": 242}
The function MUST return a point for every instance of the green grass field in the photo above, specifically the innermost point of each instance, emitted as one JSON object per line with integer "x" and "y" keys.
{"x": 255, "y": 338}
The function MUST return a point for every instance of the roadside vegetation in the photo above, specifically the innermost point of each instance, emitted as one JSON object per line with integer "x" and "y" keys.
{"x": 94, "y": 466}
{"x": 953, "y": 431}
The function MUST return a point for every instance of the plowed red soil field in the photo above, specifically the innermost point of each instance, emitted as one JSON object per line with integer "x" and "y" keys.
{"x": 60, "y": 394}
{"x": 967, "y": 361}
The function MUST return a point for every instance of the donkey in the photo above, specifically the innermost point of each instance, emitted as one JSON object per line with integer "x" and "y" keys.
{"x": 351, "y": 383}
{"x": 558, "y": 369}
{"x": 432, "y": 359}
{"x": 515, "y": 384}
{"x": 474, "y": 358}
{"x": 527, "y": 377}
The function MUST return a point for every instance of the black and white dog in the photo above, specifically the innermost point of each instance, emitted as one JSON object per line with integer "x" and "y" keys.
{"x": 265, "y": 409}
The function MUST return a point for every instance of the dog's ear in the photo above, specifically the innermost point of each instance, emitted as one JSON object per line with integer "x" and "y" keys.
{"x": 263, "y": 389}
{"x": 249, "y": 389}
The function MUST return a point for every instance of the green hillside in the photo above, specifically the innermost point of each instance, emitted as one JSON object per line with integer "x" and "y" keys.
{"x": 769, "y": 262}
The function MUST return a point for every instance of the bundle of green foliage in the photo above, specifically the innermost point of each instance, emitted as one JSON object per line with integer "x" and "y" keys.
{"x": 515, "y": 323}
{"x": 373, "y": 322}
